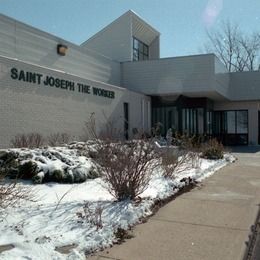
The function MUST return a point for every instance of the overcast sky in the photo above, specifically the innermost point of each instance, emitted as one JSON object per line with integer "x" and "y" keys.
{"x": 182, "y": 23}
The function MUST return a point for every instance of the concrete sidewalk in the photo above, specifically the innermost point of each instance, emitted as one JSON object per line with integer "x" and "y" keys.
{"x": 210, "y": 222}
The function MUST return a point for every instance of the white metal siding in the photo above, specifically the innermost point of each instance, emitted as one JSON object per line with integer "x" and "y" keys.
{"x": 170, "y": 75}
{"x": 222, "y": 78}
{"x": 154, "y": 49}
{"x": 113, "y": 41}
{"x": 26, "y": 43}
{"x": 245, "y": 85}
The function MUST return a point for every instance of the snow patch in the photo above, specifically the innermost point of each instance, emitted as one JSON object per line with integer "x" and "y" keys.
{"x": 36, "y": 229}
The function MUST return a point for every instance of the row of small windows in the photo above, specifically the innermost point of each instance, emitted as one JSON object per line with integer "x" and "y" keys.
{"x": 140, "y": 50}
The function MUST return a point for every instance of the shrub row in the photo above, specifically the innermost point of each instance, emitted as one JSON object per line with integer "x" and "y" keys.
{"x": 36, "y": 140}
{"x": 45, "y": 165}
{"x": 125, "y": 166}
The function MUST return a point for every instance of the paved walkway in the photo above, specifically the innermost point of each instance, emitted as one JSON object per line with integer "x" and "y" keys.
{"x": 211, "y": 222}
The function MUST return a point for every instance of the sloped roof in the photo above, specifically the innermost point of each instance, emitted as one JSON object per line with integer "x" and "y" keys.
{"x": 139, "y": 28}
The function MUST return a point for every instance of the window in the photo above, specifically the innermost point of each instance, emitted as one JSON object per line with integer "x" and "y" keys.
{"x": 140, "y": 50}
{"x": 231, "y": 122}
{"x": 209, "y": 122}
{"x": 231, "y": 126}
{"x": 193, "y": 121}
{"x": 242, "y": 122}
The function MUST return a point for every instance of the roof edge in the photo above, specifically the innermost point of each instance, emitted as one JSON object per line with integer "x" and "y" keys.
{"x": 130, "y": 13}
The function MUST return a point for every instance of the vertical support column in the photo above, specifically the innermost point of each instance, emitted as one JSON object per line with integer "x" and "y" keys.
{"x": 258, "y": 127}
{"x": 253, "y": 125}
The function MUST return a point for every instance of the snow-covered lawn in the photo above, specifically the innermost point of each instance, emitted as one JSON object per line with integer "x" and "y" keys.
{"x": 55, "y": 219}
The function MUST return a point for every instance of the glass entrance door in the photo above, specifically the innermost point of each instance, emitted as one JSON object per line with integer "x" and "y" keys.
{"x": 167, "y": 117}
{"x": 193, "y": 121}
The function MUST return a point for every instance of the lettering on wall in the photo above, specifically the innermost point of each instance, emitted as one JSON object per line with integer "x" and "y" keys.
{"x": 37, "y": 78}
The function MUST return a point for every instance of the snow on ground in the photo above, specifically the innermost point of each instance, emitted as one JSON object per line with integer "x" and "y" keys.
{"x": 37, "y": 228}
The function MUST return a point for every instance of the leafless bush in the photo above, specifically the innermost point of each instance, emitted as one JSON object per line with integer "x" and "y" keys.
{"x": 140, "y": 134}
{"x": 190, "y": 143}
{"x": 108, "y": 133}
{"x": 122, "y": 234}
{"x": 89, "y": 129}
{"x": 92, "y": 216}
{"x": 30, "y": 140}
{"x": 127, "y": 167}
{"x": 58, "y": 139}
{"x": 213, "y": 150}
{"x": 195, "y": 159}
{"x": 11, "y": 193}
{"x": 174, "y": 162}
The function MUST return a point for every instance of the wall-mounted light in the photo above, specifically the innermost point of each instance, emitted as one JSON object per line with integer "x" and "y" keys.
{"x": 62, "y": 49}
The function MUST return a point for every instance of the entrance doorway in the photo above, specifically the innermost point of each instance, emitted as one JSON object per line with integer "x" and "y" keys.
{"x": 184, "y": 115}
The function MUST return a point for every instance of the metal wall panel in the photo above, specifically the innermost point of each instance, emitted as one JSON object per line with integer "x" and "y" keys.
{"x": 170, "y": 75}
{"x": 245, "y": 85}
{"x": 114, "y": 41}
{"x": 29, "y": 44}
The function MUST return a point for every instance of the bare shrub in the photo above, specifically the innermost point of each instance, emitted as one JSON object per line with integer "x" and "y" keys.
{"x": 195, "y": 159}
{"x": 213, "y": 150}
{"x": 58, "y": 139}
{"x": 122, "y": 234}
{"x": 108, "y": 133}
{"x": 92, "y": 216}
{"x": 53, "y": 139}
{"x": 30, "y": 140}
{"x": 127, "y": 167}
{"x": 140, "y": 134}
{"x": 188, "y": 142}
{"x": 174, "y": 162}
{"x": 89, "y": 129}
{"x": 11, "y": 193}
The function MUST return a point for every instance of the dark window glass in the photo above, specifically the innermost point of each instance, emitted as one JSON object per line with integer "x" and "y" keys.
{"x": 140, "y": 46}
{"x": 135, "y": 44}
{"x": 200, "y": 120}
{"x": 135, "y": 57}
{"x": 140, "y": 50}
{"x": 209, "y": 122}
{"x": 193, "y": 121}
{"x": 145, "y": 49}
{"x": 242, "y": 122}
{"x": 231, "y": 127}
{"x": 231, "y": 122}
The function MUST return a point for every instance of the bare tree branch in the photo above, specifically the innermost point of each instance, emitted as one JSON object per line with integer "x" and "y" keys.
{"x": 237, "y": 51}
